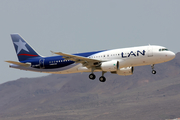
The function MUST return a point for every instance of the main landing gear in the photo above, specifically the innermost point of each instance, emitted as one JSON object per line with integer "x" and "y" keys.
{"x": 101, "y": 79}
{"x": 92, "y": 76}
{"x": 153, "y": 71}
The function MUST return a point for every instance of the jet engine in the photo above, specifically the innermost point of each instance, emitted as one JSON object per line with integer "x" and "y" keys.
{"x": 110, "y": 65}
{"x": 113, "y": 67}
{"x": 125, "y": 71}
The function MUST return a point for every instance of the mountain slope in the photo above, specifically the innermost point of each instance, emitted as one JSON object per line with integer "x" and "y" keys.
{"x": 139, "y": 96}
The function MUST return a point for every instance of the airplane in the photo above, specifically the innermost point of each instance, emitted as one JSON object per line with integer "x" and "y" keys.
{"x": 117, "y": 61}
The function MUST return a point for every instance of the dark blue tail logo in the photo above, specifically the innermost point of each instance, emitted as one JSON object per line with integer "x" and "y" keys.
{"x": 21, "y": 46}
{"x": 23, "y": 49}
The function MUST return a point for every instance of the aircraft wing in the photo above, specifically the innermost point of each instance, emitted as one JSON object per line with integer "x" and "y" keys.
{"x": 87, "y": 62}
{"x": 18, "y": 63}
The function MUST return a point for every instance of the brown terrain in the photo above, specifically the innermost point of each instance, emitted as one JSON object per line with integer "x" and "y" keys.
{"x": 141, "y": 96}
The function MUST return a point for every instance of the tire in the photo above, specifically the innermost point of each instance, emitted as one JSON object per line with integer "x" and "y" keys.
{"x": 153, "y": 72}
{"x": 102, "y": 79}
{"x": 92, "y": 76}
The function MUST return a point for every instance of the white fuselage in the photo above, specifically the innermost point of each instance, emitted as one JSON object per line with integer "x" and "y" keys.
{"x": 127, "y": 57}
{"x": 117, "y": 61}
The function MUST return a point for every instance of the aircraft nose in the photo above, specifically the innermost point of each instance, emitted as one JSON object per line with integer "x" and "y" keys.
{"x": 171, "y": 55}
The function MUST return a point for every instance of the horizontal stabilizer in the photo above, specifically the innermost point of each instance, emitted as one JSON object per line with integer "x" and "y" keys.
{"x": 18, "y": 63}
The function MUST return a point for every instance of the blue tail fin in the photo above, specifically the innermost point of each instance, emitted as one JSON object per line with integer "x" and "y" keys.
{"x": 23, "y": 49}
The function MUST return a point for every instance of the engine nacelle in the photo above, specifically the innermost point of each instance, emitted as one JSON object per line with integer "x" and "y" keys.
{"x": 110, "y": 65}
{"x": 125, "y": 71}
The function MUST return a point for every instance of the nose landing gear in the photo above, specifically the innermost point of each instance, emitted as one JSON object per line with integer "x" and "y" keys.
{"x": 153, "y": 71}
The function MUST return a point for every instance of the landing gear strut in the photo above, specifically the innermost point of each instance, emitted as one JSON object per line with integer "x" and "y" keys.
{"x": 153, "y": 71}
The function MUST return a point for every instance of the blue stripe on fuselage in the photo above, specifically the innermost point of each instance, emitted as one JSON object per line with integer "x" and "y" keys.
{"x": 55, "y": 61}
{"x": 87, "y": 54}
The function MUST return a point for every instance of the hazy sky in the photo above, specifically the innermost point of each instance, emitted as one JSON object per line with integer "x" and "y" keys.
{"x": 72, "y": 26}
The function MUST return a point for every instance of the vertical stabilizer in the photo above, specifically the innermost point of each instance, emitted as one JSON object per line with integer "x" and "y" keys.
{"x": 23, "y": 50}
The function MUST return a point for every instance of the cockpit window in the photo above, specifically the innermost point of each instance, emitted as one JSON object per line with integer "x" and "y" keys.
{"x": 163, "y": 49}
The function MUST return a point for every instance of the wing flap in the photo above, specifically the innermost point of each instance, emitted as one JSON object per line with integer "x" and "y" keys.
{"x": 18, "y": 63}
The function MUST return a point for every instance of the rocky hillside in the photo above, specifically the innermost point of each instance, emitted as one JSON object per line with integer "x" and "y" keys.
{"x": 73, "y": 97}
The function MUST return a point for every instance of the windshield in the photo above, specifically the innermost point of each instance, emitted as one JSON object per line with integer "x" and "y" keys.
{"x": 163, "y": 49}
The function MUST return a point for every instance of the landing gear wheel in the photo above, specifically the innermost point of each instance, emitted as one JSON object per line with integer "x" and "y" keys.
{"x": 92, "y": 76}
{"x": 102, "y": 79}
{"x": 153, "y": 72}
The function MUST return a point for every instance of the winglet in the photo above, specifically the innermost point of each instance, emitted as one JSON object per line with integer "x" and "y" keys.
{"x": 52, "y": 52}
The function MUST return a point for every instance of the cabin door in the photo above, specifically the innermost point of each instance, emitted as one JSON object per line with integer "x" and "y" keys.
{"x": 41, "y": 63}
{"x": 150, "y": 51}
